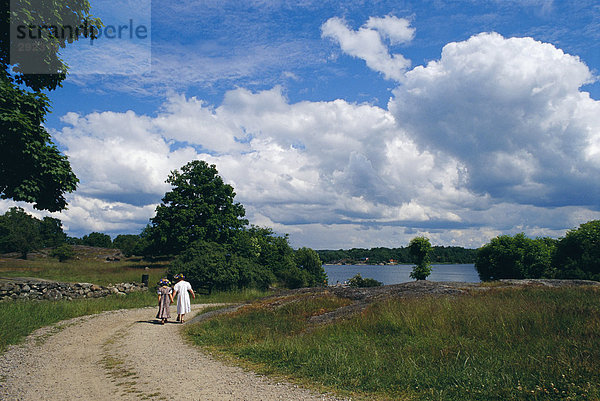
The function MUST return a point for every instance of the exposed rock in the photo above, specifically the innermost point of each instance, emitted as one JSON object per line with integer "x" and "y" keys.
{"x": 362, "y": 297}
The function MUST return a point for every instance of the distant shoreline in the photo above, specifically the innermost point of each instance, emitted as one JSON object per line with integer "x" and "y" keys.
{"x": 391, "y": 264}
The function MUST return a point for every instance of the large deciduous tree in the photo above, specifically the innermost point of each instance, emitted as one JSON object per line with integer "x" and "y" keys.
{"x": 199, "y": 221}
{"x": 32, "y": 169}
{"x": 199, "y": 207}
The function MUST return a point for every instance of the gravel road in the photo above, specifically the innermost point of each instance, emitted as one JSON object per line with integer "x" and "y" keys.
{"x": 126, "y": 355}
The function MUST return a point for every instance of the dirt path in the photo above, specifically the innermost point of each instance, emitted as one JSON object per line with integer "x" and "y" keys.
{"x": 126, "y": 355}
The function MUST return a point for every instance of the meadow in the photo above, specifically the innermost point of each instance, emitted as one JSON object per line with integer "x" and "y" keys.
{"x": 518, "y": 344}
{"x": 88, "y": 267}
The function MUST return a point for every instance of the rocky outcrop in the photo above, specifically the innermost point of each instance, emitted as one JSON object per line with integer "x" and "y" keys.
{"x": 11, "y": 289}
{"x": 362, "y": 297}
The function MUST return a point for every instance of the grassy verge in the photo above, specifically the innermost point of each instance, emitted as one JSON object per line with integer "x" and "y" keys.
{"x": 528, "y": 344}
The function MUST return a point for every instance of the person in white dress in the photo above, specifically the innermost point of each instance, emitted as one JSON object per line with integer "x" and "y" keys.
{"x": 182, "y": 290}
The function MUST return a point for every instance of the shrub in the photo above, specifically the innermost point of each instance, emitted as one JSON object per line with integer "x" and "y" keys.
{"x": 127, "y": 243}
{"x": 208, "y": 264}
{"x": 63, "y": 252}
{"x": 358, "y": 282}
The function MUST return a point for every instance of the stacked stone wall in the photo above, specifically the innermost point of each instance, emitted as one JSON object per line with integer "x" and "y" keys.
{"x": 52, "y": 290}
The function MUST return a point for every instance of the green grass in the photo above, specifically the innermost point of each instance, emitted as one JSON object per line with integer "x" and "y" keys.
{"x": 85, "y": 270}
{"x": 233, "y": 296}
{"x": 528, "y": 344}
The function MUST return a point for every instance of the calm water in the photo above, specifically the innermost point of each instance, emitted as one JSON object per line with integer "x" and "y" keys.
{"x": 395, "y": 274}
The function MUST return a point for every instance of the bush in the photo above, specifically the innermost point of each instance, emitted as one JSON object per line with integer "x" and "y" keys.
{"x": 63, "y": 252}
{"x": 295, "y": 278}
{"x": 256, "y": 259}
{"x": 359, "y": 282}
{"x": 251, "y": 274}
{"x": 208, "y": 264}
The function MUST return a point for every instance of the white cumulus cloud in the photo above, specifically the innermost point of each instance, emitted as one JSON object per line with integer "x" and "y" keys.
{"x": 397, "y": 30}
{"x": 366, "y": 43}
{"x": 511, "y": 110}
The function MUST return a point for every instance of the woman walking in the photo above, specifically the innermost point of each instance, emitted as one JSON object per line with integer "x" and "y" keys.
{"x": 183, "y": 289}
{"x": 165, "y": 298}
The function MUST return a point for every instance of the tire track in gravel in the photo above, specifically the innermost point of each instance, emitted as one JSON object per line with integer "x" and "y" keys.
{"x": 126, "y": 355}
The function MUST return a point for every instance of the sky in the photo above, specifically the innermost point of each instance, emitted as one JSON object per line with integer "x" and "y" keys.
{"x": 343, "y": 124}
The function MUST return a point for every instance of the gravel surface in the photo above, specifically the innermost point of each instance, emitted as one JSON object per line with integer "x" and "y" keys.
{"x": 126, "y": 355}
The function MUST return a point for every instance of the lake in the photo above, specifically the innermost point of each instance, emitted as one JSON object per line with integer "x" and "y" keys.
{"x": 395, "y": 274}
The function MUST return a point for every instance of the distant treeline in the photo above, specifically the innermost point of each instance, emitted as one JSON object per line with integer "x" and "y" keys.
{"x": 438, "y": 254}
{"x": 23, "y": 233}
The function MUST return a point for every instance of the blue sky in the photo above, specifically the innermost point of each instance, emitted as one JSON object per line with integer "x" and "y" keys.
{"x": 344, "y": 124}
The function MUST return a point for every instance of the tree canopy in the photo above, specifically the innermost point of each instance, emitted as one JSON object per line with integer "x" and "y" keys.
{"x": 97, "y": 239}
{"x": 401, "y": 255}
{"x": 200, "y": 207}
{"x": 127, "y": 243}
{"x": 307, "y": 261}
{"x": 578, "y": 253}
{"x": 23, "y": 233}
{"x": 515, "y": 257}
{"x": 576, "y": 256}
{"x": 46, "y": 26}
{"x": 256, "y": 258}
{"x": 32, "y": 169}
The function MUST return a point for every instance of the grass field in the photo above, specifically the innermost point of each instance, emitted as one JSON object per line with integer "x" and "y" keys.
{"x": 90, "y": 267}
{"x": 527, "y": 344}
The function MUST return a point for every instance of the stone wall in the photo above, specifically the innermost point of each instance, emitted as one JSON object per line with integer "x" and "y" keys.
{"x": 52, "y": 290}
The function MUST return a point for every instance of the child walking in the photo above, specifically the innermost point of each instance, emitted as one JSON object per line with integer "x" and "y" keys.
{"x": 165, "y": 298}
{"x": 183, "y": 289}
